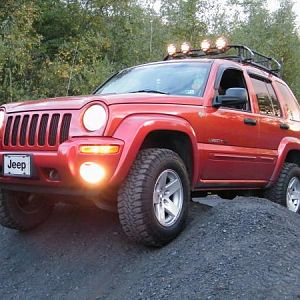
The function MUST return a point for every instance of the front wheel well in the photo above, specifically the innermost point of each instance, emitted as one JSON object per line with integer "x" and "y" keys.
{"x": 293, "y": 156}
{"x": 176, "y": 141}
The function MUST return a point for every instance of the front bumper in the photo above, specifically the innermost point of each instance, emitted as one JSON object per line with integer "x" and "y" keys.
{"x": 65, "y": 162}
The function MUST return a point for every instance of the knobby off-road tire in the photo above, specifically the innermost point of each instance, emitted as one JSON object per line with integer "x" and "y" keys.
{"x": 23, "y": 211}
{"x": 286, "y": 190}
{"x": 157, "y": 183}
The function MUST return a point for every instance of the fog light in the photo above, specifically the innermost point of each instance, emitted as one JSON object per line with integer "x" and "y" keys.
{"x": 91, "y": 172}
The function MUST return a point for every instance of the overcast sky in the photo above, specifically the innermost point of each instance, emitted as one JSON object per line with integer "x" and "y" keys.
{"x": 272, "y": 4}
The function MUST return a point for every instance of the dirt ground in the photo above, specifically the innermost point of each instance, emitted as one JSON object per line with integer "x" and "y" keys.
{"x": 246, "y": 248}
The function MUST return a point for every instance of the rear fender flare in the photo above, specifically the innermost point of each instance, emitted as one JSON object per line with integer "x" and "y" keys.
{"x": 287, "y": 144}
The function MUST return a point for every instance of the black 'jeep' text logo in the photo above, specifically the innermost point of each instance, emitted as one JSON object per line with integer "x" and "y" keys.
{"x": 16, "y": 165}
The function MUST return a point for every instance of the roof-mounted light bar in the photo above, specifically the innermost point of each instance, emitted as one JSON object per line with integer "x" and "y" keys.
{"x": 219, "y": 49}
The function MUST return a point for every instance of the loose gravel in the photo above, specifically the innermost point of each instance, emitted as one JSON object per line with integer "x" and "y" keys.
{"x": 247, "y": 248}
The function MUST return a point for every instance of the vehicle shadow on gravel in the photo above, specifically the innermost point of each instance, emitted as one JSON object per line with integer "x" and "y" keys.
{"x": 247, "y": 247}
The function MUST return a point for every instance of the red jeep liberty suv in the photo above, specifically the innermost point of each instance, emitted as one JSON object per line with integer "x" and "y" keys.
{"x": 217, "y": 119}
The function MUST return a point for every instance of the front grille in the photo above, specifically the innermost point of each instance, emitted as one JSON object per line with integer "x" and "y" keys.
{"x": 29, "y": 130}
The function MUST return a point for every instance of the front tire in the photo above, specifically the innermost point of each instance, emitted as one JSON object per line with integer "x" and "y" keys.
{"x": 23, "y": 211}
{"x": 286, "y": 190}
{"x": 153, "y": 200}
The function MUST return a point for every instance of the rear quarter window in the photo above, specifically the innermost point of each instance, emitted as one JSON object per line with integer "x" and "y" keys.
{"x": 289, "y": 101}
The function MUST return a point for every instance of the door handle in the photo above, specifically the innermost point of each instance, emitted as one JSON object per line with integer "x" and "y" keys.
{"x": 249, "y": 121}
{"x": 284, "y": 126}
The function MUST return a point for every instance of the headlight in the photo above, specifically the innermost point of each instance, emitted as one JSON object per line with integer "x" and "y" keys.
{"x": 2, "y": 115}
{"x": 94, "y": 117}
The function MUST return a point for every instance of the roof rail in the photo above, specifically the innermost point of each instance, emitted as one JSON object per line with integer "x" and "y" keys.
{"x": 243, "y": 55}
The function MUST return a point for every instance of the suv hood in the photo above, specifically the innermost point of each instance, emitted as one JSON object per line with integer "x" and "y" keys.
{"x": 65, "y": 103}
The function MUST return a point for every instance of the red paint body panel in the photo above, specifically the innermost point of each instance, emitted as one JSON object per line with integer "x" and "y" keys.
{"x": 226, "y": 152}
{"x": 141, "y": 126}
{"x": 67, "y": 160}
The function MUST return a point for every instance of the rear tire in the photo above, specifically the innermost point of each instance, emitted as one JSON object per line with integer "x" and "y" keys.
{"x": 286, "y": 190}
{"x": 153, "y": 200}
{"x": 23, "y": 211}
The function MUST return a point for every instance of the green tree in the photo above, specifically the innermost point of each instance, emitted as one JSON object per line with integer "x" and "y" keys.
{"x": 19, "y": 45}
{"x": 59, "y": 47}
{"x": 272, "y": 33}
{"x": 185, "y": 20}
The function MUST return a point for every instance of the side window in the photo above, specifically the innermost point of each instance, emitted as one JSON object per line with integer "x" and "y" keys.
{"x": 274, "y": 99}
{"x": 233, "y": 78}
{"x": 266, "y": 98}
{"x": 290, "y": 102}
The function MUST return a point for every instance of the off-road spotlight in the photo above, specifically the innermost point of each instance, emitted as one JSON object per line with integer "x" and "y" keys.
{"x": 185, "y": 47}
{"x": 172, "y": 49}
{"x": 205, "y": 45}
{"x": 221, "y": 43}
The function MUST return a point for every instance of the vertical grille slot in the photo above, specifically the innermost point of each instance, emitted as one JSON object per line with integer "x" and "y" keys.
{"x": 15, "y": 131}
{"x": 7, "y": 131}
{"x": 65, "y": 127}
{"x": 53, "y": 129}
{"x": 24, "y": 125}
{"x": 32, "y": 129}
{"x": 42, "y": 130}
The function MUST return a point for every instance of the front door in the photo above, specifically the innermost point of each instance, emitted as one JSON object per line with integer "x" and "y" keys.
{"x": 229, "y": 153}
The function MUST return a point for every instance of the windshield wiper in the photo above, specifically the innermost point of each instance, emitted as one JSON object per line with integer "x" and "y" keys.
{"x": 150, "y": 91}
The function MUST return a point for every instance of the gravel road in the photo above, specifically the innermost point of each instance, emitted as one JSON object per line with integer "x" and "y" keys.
{"x": 247, "y": 248}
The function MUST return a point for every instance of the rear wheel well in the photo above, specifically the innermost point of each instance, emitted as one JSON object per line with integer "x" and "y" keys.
{"x": 293, "y": 157}
{"x": 177, "y": 141}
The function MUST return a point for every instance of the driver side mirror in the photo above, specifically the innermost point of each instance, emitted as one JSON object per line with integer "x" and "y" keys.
{"x": 233, "y": 97}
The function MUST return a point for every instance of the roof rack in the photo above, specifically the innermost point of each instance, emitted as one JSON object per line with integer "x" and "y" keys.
{"x": 243, "y": 55}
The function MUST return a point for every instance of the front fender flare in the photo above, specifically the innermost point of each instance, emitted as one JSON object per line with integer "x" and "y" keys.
{"x": 133, "y": 131}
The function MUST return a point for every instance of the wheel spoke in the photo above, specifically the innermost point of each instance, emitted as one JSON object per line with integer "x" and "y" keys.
{"x": 161, "y": 185}
{"x": 171, "y": 208}
{"x": 173, "y": 187}
{"x": 161, "y": 213}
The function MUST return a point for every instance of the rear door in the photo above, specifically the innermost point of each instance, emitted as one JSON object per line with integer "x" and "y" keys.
{"x": 273, "y": 127}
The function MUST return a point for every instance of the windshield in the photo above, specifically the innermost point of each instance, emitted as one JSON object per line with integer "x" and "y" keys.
{"x": 182, "y": 78}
